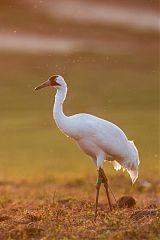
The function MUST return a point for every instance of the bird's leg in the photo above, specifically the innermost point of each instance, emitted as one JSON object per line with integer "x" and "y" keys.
{"x": 98, "y": 185}
{"x": 105, "y": 182}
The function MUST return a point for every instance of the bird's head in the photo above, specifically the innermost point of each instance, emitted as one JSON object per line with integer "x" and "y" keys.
{"x": 55, "y": 81}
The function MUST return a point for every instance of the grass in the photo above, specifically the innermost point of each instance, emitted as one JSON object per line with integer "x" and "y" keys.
{"x": 50, "y": 210}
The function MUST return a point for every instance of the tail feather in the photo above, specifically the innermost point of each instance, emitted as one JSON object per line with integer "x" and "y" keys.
{"x": 130, "y": 166}
{"x": 133, "y": 174}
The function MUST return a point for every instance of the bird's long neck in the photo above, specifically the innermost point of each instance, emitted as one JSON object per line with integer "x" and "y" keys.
{"x": 59, "y": 116}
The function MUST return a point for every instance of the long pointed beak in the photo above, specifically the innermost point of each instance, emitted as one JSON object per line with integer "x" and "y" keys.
{"x": 45, "y": 84}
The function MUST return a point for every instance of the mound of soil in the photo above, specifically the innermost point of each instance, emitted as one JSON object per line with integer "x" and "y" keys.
{"x": 126, "y": 202}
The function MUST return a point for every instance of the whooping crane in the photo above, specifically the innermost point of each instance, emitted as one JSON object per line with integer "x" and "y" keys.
{"x": 100, "y": 139}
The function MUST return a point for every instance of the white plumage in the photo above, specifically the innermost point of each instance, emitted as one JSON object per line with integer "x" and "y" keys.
{"x": 100, "y": 139}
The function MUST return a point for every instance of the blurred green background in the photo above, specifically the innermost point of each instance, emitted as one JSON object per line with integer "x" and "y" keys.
{"x": 111, "y": 69}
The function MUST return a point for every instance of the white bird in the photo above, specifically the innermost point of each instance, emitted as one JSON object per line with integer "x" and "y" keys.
{"x": 98, "y": 138}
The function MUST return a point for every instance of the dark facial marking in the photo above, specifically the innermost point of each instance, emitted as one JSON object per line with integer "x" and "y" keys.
{"x": 52, "y": 80}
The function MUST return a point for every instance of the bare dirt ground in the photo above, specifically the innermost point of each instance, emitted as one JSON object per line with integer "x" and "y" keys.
{"x": 48, "y": 210}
